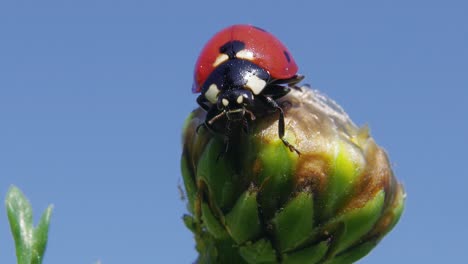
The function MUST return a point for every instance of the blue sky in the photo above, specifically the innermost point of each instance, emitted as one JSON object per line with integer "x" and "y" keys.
{"x": 93, "y": 95}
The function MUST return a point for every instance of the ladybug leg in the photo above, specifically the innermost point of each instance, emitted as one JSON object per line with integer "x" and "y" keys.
{"x": 208, "y": 123}
{"x": 291, "y": 82}
{"x": 273, "y": 104}
{"x": 201, "y": 100}
{"x": 275, "y": 91}
{"x": 295, "y": 80}
{"x": 207, "y": 126}
{"x": 245, "y": 126}
{"x": 227, "y": 136}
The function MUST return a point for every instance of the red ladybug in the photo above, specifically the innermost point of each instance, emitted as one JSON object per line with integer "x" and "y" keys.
{"x": 241, "y": 72}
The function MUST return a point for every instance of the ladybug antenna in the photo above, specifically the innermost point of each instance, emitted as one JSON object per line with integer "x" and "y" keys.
{"x": 252, "y": 116}
{"x": 216, "y": 117}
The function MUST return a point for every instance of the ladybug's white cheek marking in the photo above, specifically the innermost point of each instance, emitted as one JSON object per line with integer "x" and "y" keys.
{"x": 212, "y": 93}
{"x": 220, "y": 59}
{"x": 225, "y": 102}
{"x": 255, "y": 84}
{"x": 245, "y": 54}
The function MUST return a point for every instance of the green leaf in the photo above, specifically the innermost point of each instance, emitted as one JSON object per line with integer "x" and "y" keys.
{"x": 211, "y": 222}
{"x": 243, "y": 222}
{"x": 189, "y": 222}
{"x": 346, "y": 168}
{"x": 189, "y": 183}
{"x": 20, "y": 216}
{"x": 30, "y": 242}
{"x": 218, "y": 174}
{"x": 40, "y": 237}
{"x": 295, "y": 223}
{"x": 260, "y": 252}
{"x": 396, "y": 209}
{"x": 276, "y": 176}
{"x": 310, "y": 255}
{"x": 353, "y": 254}
{"x": 359, "y": 221}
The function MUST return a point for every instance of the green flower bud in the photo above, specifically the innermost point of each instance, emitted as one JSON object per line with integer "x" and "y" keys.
{"x": 262, "y": 203}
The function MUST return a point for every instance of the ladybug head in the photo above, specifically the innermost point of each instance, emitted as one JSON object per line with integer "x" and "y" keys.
{"x": 232, "y": 87}
{"x": 235, "y": 103}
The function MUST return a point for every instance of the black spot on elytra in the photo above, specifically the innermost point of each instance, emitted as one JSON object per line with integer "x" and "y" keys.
{"x": 231, "y": 48}
{"x": 286, "y": 54}
{"x": 261, "y": 29}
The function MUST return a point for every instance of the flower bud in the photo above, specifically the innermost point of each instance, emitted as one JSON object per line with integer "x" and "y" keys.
{"x": 260, "y": 202}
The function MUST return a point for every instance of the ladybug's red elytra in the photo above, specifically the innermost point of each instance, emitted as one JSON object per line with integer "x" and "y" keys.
{"x": 256, "y": 45}
{"x": 241, "y": 71}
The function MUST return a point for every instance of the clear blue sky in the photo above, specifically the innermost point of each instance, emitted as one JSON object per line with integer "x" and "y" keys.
{"x": 93, "y": 95}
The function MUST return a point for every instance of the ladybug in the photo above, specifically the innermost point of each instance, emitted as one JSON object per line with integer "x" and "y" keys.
{"x": 240, "y": 73}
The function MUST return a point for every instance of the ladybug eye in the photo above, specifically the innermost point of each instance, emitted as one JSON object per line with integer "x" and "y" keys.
{"x": 225, "y": 102}
{"x": 245, "y": 54}
{"x": 212, "y": 93}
